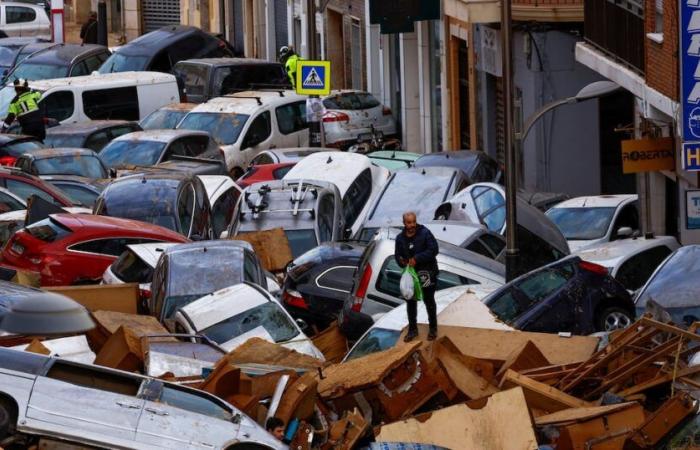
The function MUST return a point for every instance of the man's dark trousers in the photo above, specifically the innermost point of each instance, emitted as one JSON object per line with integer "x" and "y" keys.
{"x": 412, "y": 309}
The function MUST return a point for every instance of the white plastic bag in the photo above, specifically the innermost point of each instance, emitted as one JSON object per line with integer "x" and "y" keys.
{"x": 406, "y": 285}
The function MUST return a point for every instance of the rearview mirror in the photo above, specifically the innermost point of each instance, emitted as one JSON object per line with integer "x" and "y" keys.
{"x": 624, "y": 232}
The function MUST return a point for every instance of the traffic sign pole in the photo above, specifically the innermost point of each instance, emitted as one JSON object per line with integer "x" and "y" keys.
{"x": 314, "y": 80}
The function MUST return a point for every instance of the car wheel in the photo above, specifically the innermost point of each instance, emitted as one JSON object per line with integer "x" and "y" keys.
{"x": 8, "y": 418}
{"x": 236, "y": 173}
{"x": 613, "y": 318}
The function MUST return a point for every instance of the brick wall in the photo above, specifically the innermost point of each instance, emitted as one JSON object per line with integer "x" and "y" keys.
{"x": 662, "y": 59}
{"x": 351, "y": 9}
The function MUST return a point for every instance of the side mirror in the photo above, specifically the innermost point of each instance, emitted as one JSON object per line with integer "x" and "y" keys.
{"x": 302, "y": 324}
{"x": 347, "y": 233}
{"x": 624, "y": 232}
{"x": 112, "y": 172}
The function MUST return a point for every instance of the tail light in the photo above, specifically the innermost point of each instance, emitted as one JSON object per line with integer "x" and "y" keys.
{"x": 294, "y": 298}
{"x": 7, "y": 161}
{"x": 145, "y": 293}
{"x": 593, "y": 268}
{"x": 386, "y": 111}
{"x": 336, "y": 117}
{"x": 362, "y": 289}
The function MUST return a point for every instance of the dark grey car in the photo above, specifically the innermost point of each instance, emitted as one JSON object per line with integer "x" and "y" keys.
{"x": 60, "y": 61}
{"x": 94, "y": 134}
{"x": 187, "y": 272}
{"x": 310, "y": 212}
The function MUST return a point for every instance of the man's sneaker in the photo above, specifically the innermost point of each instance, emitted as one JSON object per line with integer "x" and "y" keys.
{"x": 432, "y": 334}
{"x": 411, "y": 335}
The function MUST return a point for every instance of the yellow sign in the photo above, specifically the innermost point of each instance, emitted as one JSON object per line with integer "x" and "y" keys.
{"x": 313, "y": 77}
{"x": 647, "y": 155}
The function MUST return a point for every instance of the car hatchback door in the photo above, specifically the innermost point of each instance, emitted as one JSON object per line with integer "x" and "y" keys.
{"x": 94, "y": 401}
{"x": 181, "y": 418}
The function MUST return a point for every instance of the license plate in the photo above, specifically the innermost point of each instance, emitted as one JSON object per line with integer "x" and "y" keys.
{"x": 17, "y": 248}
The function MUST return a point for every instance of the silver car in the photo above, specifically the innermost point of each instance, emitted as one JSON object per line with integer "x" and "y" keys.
{"x": 92, "y": 405}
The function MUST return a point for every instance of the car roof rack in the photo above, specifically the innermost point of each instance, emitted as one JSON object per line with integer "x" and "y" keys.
{"x": 259, "y": 100}
{"x": 299, "y": 192}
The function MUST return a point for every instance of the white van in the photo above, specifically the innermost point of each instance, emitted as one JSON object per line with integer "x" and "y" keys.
{"x": 246, "y": 123}
{"x": 124, "y": 95}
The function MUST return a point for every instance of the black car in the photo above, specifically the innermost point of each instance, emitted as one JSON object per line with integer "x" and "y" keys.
{"x": 476, "y": 165}
{"x": 12, "y": 51}
{"x": 570, "y": 295}
{"x": 318, "y": 281}
{"x": 213, "y": 77}
{"x": 159, "y": 50}
{"x": 62, "y": 161}
{"x": 80, "y": 190}
{"x": 14, "y": 145}
{"x": 176, "y": 201}
{"x": 60, "y": 61}
{"x": 94, "y": 134}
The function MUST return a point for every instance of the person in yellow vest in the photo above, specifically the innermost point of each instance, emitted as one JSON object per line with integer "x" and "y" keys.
{"x": 25, "y": 108}
{"x": 289, "y": 58}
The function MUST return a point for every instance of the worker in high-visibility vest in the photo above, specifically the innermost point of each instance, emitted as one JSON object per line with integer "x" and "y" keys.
{"x": 289, "y": 58}
{"x": 25, "y": 108}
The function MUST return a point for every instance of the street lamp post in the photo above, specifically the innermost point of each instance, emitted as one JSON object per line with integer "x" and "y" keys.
{"x": 593, "y": 90}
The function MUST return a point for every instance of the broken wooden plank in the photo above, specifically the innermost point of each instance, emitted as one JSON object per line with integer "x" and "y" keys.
{"x": 461, "y": 427}
{"x": 344, "y": 433}
{"x": 663, "y": 420}
{"x": 607, "y": 431}
{"x": 666, "y": 378}
{"x": 271, "y": 247}
{"x": 332, "y": 343}
{"x": 460, "y": 374}
{"x": 260, "y": 351}
{"x": 571, "y": 415}
{"x": 123, "y": 298}
{"x": 298, "y": 399}
{"x": 528, "y": 356}
{"x": 540, "y": 395}
{"x": 122, "y": 351}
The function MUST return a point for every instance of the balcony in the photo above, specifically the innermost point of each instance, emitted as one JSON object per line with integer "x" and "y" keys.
{"x": 617, "y": 29}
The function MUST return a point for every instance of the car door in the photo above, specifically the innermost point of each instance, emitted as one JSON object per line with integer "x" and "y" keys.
{"x": 84, "y": 398}
{"x": 222, "y": 210}
{"x": 18, "y": 20}
{"x": 258, "y": 137}
{"x": 634, "y": 272}
{"x": 292, "y": 127}
{"x": 490, "y": 207}
{"x": 179, "y": 418}
{"x": 627, "y": 217}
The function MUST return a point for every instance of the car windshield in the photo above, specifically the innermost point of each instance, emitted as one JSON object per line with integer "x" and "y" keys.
{"x": 131, "y": 269}
{"x": 128, "y": 152}
{"x": 18, "y": 148}
{"x": 376, "y": 340}
{"x": 79, "y": 195}
{"x": 268, "y": 315}
{"x": 31, "y": 71}
{"x": 155, "y": 206}
{"x": 162, "y": 119}
{"x": 582, "y": 223}
{"x": 367, "y": 234}
{"x": 404, "y": 188}
{"x": 64, "y": 140}
{"x": 192, "y": 273}
{"x": 673, "y": 287}
{"x": 224, "y": 127}
{"x": 301, "y": 241}
{"x": 83, "y": 165}
{"x": 119, "y": 62}
{"x": 6, "y": 95}
{"x": 8, "y": 55}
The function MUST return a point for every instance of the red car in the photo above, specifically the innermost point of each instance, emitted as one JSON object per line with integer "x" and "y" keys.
{"x": 23, "y": 185}
{"x": 77, "y": 248}
{"x": 264, "y": 172}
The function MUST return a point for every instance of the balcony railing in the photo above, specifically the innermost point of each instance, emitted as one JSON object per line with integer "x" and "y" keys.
{"x": 617, "y": 28}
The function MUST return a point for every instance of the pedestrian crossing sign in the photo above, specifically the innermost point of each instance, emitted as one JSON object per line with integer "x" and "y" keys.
{"x": 313, "y": 77}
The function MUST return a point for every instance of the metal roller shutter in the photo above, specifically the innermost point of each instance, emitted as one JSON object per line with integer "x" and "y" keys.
{"x": 238, "y": 36}
{"x": 159, "y": 13}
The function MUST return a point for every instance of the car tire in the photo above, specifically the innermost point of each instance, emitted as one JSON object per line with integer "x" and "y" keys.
{"x": 613, "y": 318}
{"x": 8, "y": 418}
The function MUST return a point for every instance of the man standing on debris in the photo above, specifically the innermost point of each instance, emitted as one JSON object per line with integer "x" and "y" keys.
{"x": 416, "y": 247}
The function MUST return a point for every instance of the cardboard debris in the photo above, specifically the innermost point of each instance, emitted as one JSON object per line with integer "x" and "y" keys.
{"x": 260, "y": 351}
{"x": 664, "y": 420}
{"x": 72, "y": 348}
{"x": 606, "y": 431}
{"x": 298, "y": 399}
{"x": 573, "y": 415}
{"x": 271, "y": 247}
{"x": 122, "y": 298}
{"x": 37, "y": 347}
{"x": 541, "y": 396}
{"x": 108, "y": 322}
{"x": 528, "y": 356}
{"x": 332, "y": 343}
{"x": 499, "y": 345}
{"x": 459, "y": 372}
{"x": 460, "y": 426}
{"x": 345, "y": 432}
{"x": 122, "y": 351}
{"x": 360, "y": 373}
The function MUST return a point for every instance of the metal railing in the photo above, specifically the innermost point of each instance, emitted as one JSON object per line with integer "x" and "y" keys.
{"x": 617, "y": 28}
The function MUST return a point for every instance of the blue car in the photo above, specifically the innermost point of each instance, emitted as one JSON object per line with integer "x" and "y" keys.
{"x": 570, "y": 295}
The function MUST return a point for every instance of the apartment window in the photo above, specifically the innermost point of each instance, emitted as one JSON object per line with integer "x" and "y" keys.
{"x": 659, "y": 16}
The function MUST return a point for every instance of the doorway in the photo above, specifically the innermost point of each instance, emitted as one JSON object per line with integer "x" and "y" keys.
{"x": 335, "y": 50}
